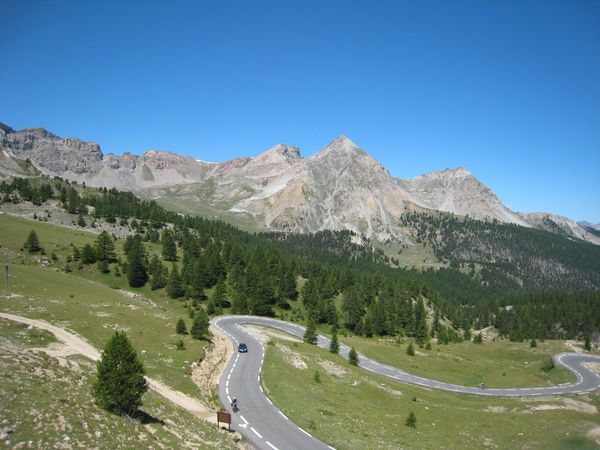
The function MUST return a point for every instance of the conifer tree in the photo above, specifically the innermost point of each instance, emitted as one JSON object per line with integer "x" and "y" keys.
{"x": 33, "y": 243}
{"x": 410, "y": 350}
{"x": 120, "y": 382}
{"x": 198, "y": 279}
{"x": 334, "y": 346}
{"x": 421, "y": 329}
{"x": 200, "y": 325}
{"x": 218, "y": 296}
{"x": 310, "y": 335}
{"x": 411, "y": 420}
{"x": 169, "y": 246}
{"x": 353, "y": 357}
{"x": 137, "y": 274}
{"x": 103, "y": 266}
{"x": 158, "y": 279}
{"x": 180, "y": 328}
{"x": 175, "y": 287}
{"x": 105, "y": 248}
{"x": 587, "y": 344}
{"x": 88, "y": 256}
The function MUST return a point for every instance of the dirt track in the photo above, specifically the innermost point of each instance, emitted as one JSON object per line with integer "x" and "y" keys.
{"x": 76, "y": 344}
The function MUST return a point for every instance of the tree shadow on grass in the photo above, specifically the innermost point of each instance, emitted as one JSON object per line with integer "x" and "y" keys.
{"x": 145, "y": 419}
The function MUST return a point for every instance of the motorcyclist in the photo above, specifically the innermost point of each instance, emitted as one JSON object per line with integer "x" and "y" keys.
{"x": 234, "y": 404}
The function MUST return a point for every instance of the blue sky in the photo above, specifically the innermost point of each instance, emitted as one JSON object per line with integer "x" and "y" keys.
{"x": 508, "y": 89}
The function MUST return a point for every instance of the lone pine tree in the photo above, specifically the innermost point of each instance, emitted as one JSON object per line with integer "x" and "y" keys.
{"x": 120, "y": 382}
{"x": 33, "y": 243}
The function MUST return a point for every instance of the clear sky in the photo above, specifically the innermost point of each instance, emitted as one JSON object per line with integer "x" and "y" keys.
{"x": 508, "y": 89}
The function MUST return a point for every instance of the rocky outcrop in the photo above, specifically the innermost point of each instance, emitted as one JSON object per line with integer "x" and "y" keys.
{"x": 51, "y": 153}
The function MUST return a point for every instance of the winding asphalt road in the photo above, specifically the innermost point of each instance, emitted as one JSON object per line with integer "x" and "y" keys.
{"x": 268, "y": 428}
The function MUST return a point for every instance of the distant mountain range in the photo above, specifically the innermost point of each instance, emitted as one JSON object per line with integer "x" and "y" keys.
{"x": 340, "y": 187}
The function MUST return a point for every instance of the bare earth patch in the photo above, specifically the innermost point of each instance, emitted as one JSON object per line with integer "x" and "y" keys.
{"x": 594, "y": 435}
{"x": 206, "y": 374}
{"x": 383, "y": 387}
{"x": 332, "y": 368}
{"x": 496, "y": 409}
{"x": 293, "y": 358}
{"x": 594, "y": 367}
{"x": 574, "y": 346}
{"x": 265, "y": 334}
{"x": 562, "y": 403}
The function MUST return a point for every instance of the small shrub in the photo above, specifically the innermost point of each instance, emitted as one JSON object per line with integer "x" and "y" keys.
{"x": 180, "y": 328}
{"x": 180, "y": 345}
{"x": 353, "y": 357}
{"x": 587, "y": 344}
{"x": 317, "y": 377}
{"x": 410, "y": 350}
{"x": 411, "y": 420}
{"x": 548, "y": 364}
{"x": 533, "y": 343}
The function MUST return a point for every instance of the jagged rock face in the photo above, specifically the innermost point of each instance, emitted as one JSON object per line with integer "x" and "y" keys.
{"x": 458, "y": 192}
{"x": 81, "y": 161}
{"x": 55, "y": 155}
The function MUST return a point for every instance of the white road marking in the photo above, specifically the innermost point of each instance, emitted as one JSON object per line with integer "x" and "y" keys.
{"x": 283, "y": 415}
{"x": 256, "y": 432}
{"x": 305, "y": 432}
{"x": 245, "y": 421}
{"x": 272, "y": 446}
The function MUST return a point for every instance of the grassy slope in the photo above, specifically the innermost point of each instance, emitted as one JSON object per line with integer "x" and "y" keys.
{"x": 498, "y": 364}
{"x": 84, "y": 302}
{"x": 52, "y": 406}
{"x": 360, "y": 410}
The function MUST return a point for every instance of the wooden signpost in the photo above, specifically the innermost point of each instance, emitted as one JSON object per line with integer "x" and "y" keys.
{"x": 224, "y": 417}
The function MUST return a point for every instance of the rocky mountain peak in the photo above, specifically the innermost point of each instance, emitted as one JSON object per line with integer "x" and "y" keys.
{"x": 280, "y": 153}
{"x": 340, "y": 146}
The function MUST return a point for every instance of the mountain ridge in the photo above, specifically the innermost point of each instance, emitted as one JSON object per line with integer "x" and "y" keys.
{"x": 339, "y": 187}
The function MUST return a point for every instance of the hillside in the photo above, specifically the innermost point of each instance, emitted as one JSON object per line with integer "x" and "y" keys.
{"x": 196, "y": 266}
{"x": 260, "y": 272}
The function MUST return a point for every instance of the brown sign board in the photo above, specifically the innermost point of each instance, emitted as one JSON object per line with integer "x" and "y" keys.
{"x": 224, "y": 417}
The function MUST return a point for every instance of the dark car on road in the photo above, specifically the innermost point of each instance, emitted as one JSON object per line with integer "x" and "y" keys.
{"x": 242, "y": 348}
